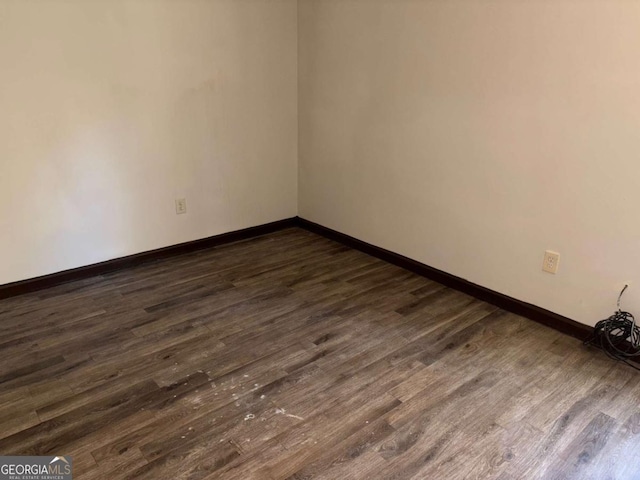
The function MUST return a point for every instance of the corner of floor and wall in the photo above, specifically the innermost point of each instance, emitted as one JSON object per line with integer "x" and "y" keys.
{"x": 469, "y": 137}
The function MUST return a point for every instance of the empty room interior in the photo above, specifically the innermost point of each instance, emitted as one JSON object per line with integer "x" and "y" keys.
{"x": 319, "y": 239}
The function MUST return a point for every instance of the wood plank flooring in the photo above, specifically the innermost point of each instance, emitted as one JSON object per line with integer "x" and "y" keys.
{"x": 289, "y": 356}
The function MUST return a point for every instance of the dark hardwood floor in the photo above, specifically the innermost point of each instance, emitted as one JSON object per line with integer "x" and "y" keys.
{"x": 290, "y": 356}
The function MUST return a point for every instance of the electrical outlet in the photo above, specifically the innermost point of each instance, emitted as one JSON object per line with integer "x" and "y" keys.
{"x": 550, "y": 262}
{"x": 181, "y": 206}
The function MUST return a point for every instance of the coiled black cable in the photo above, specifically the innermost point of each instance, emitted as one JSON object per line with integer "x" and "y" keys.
{"x": 618, "y": 336}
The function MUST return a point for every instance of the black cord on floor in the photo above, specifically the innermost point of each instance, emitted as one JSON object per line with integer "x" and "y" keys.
{"x": 618, "y": 336}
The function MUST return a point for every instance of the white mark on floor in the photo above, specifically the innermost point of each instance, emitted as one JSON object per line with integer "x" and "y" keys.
{"x": 282, "y": 411}
{"x": 249, "y": 416}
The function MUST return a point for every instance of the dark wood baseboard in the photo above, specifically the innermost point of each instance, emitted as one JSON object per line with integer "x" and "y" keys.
{"x": 46, "y": 281}
{"x": 533, "y": 312}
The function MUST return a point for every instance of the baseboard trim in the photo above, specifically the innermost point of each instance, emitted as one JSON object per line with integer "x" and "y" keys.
{"x": 39, "y": 283}
{"x": 533, "y": 312}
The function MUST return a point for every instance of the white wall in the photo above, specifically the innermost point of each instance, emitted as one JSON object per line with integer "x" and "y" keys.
{"x": 469, "y": 135}
{"x": 111, "y": 109}
{"x": 472, "y": 135}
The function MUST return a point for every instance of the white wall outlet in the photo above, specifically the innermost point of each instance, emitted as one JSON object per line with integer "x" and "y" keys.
{"x": 550, "y": 262}
{"x": 181, "y": 206}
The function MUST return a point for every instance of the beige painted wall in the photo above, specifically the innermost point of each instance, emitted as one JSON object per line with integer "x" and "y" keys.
{"x": 111, "y": 109}
{"x": 472, "y": 135}
{"x": 469, "y": 135}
